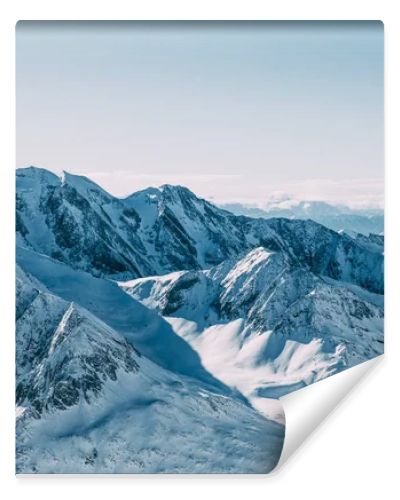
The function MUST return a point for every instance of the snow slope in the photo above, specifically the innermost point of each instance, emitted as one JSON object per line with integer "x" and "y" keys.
{"x": 167, "y": 229}
{"x": 213, "y": 318}
{"x": 63, "y": 353}
{"x": 141, "y": 327}
{"x": 89, "y": 402}
{"x": 264, "y": 325}
{"x": 73, "y": 220}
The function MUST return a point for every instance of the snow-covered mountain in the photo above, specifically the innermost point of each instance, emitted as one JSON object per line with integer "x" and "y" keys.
{"x": 266, "y": 325}
{"x": 157, "y": 231}
{"x": 73, "y": 220}
{"x": 141, "y": 327}
{"x": 64, "y": 353}
{"x": 87, "y": 401}
{"x": 214, "y": 316}
{"x": 336, "y": 217}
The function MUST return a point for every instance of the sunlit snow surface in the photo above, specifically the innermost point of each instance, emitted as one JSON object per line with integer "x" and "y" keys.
{"x": 156, "y": 333}
{"x": 147, "y": 420}
{"x": 291, "y": 328}
{"x": 152, "y": 422}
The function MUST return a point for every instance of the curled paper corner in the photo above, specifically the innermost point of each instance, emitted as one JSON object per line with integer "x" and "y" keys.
{"x": 306, "y": 408}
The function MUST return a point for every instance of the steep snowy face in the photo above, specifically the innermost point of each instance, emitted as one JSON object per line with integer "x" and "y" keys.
{"x": 187, "y": 233}
{"x": 157, "y": 231}
{"x": 372, "y": 242}
{"x": 266, "y": 324}
{"x": 64, "y": 354}
{"x": 325, "y": 252}
{"x": 247, "y": 281}
{"x": 183, "y": 231}
{"x": 73, "y": 220}
{"x": 143, "y": 328}
{"x": 151, "y": 232}
{"x": 339, "y": 317}
{"x": 260, "y": 287}
{"x": 89, "y": 402}
{"x": 264, "y": 289}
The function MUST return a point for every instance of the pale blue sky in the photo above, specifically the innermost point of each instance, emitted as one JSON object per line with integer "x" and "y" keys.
{"x": 235, "y": 111}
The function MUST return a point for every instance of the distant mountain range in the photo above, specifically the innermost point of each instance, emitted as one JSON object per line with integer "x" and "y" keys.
{"x": 156, "y": 333}
{"x": 336, "y": 217}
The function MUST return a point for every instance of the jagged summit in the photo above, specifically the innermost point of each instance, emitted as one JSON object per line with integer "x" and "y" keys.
{"x": 82, "y": 182}
{"x": 27, "y": 177}
{"x": 156, "y": 231}
{"x": 177, "y": 188}
{"x": 33, "y": 170}
{"x": 45, "y": 176}
{"x": 266, "y": 325}
{"x": 166, "y": 192}
{"x": 64, "y": 353}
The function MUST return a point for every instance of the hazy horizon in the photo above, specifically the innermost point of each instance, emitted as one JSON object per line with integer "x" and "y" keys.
{"x": 271, "y": 197}
{"x": 234, "y": 111}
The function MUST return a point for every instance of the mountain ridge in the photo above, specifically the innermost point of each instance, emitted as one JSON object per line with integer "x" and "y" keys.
{"x": 162, "y": 314}
{"x": 278, "y": 321}
{"x": 88, "y": 402}
{"x": 161, "y": 231}
{"x": 336, "y": 217}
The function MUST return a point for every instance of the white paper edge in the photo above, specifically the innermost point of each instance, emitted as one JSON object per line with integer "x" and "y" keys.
{"x": 305, "y": 409}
